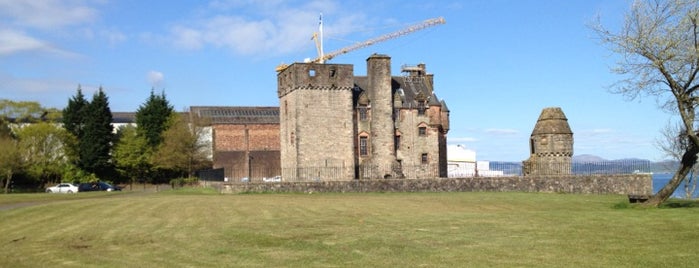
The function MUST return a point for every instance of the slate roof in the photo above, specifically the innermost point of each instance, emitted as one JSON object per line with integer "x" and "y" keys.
{"x": 409, "y": 88}
{"x": 123, "y": 117}
{"x": 238, "y": 114}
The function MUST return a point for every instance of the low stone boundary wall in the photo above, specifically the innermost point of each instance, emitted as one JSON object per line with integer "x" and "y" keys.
{"x": 627, "y": 184}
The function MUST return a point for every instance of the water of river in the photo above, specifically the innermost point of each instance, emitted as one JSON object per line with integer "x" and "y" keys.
{"x": 660, "y": 179}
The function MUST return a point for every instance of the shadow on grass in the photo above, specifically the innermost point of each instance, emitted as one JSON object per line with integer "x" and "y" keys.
{"x": 679, "y": 203}
{"x": 192, "y": 191}
{"x": 672, "y": 203}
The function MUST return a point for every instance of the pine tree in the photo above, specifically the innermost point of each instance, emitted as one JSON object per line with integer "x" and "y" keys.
{"x": 95, "y": 144}
{"x": 74, "y": 114}
{"x": 152, "y": 118}
{"x": 91, "y": 124}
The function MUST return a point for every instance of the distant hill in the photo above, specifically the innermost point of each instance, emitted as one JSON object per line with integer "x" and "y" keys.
{"x": 594, "y": 158}
{"x": 588, "y": 158}
{"x": 592, "y": 164}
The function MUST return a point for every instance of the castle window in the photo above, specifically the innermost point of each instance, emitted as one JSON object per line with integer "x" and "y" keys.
{"x": 332, "y": 72}
{"x": 363, "y": 146}
{"x": 311, "y": 72}
{"x": 396, "y": 141}
{"x": 362, "y": 113}
{"x": 421, "y": 107}
{"x": 424, "y": 159}
{"x": 422, "y": 131}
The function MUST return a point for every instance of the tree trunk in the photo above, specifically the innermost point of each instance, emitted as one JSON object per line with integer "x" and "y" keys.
{"x": 8, "y": 180}
{"x": 689, "y": 159}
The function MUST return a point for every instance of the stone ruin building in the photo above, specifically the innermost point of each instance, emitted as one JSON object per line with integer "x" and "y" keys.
{"x": 550, "y": 145}
{"x": 337, "y": 126}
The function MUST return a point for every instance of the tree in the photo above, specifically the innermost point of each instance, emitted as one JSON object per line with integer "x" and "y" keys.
{"x": 95, "y": 142}
{"x": 659, "y": 48}
{"x": 25, "y": 112}
{"x": 672, "y": 142}
{"x": 184, "y": 148}
{"x": 151, "y": 118}
{"x": 10, "y": 160}
{"x": 46, "y": 148}
{"x": 5, "y": 130}
{"x": 132, "y": 154}
{"x": 74, "y": 114}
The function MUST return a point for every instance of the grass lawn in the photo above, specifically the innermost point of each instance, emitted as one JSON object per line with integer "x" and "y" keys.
{"x": 206, "y": 229}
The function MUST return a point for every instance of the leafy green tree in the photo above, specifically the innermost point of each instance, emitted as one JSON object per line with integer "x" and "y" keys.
{"x": 659, "y": 48}
{"x": 5, "y": 130}
{"x": 22, "y": 111}
{"x": 95, "y": 144}
{"x": 151, "y": 118}
{"x": 132, "y": 154}
{"x": 75, "y": 113}
{"x": 47, "y": 150}
{"x": 184, "y": 148}
{"x": 10, "y": 160}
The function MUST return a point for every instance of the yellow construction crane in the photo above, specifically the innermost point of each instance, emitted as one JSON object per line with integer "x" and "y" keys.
{"x": 322, "y": 58}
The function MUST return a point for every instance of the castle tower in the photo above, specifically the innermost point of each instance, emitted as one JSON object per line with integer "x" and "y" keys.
{"x": 382, "y": 128}
{"x": 550, "y": 145}
{"x": 316, "y": 124}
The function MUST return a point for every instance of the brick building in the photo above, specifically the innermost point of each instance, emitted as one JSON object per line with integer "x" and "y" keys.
{"x": 244, "y": 140}
{"x": 335, "y": 126}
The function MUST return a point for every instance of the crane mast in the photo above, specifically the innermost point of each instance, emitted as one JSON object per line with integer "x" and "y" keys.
{"x": 322, "y": 58}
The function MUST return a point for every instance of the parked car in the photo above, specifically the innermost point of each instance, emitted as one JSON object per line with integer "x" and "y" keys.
{"x": 66, "y": 188}
{"x": 273, "y": 179}
{"x": 97, "y": 186}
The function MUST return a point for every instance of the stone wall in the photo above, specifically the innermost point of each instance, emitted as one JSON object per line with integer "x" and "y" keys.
{"x": 635, "y": 184}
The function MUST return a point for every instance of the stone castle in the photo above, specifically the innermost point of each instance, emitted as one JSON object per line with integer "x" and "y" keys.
{"x": 335, "y": 126}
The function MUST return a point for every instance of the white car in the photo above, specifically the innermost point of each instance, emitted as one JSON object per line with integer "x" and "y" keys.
{"x": 66, "y": 188}
{"x": 273, "y": 179}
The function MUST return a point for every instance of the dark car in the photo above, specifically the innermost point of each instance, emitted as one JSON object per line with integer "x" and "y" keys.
{"x": 97, "y": 186}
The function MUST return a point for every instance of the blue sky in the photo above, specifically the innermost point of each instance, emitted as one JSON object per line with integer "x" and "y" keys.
{"x": 496, "y": 63}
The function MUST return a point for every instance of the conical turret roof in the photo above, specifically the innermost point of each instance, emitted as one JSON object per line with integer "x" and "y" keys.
{"x": 552, "y": 121}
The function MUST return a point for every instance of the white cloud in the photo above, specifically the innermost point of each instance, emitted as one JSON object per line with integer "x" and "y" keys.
{"x": 501, "y": 131}
{"x": 12, "y": 42}
{"x": 459, "y": 140}
{"x": 25, "y": 23}
{"x": 47, "y": 14}
{"x": 35, "y": 85}
{"x": 268, "y": 27}
{"x": 156, "y": 79}
{"x": 113, "y": 36}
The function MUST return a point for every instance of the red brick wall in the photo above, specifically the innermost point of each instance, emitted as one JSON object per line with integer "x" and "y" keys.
{"x": 233, "y": 137}
{"x": 234, "y": 144}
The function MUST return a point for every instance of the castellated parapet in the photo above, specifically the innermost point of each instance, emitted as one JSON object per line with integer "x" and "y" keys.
{"x": 550, "y": 145}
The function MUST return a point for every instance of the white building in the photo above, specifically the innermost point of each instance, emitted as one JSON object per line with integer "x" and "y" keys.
{"x": 461, "y": 162}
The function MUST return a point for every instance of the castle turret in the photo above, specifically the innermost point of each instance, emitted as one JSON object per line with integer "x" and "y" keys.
{"x": 382, "y": 126}
{"x": 550, "y": 145}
